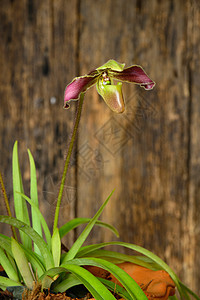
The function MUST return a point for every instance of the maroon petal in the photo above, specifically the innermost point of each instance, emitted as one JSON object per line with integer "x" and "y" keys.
{"x": 77, "y": 86}
{"x": 134, "y": 74}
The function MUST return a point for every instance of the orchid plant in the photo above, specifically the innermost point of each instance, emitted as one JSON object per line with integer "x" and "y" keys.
{"x": 34, "y": 255}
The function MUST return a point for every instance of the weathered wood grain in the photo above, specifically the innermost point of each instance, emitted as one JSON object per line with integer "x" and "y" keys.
{"x": 192, "y": 212}
{"x": 38, "y": 58}
{"x": 149, "y": 154}
{"x": 145, "y": 153}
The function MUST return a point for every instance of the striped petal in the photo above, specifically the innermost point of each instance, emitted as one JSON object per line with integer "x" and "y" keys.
{"x": 79, "y": 85}
{"x": 134, "y": 74}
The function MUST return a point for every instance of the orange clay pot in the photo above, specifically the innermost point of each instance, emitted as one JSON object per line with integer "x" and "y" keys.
{"x": 157, "y": 285}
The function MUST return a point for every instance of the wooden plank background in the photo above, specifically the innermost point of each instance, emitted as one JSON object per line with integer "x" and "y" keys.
{"x": 150, "y": 154}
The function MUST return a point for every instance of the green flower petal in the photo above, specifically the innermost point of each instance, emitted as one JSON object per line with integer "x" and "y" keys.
{"x": 112, "y": 64}
{"x": 112, "y": 95}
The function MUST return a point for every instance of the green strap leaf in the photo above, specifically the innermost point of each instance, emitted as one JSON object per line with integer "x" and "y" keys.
{"x": 81, "y": 239}
{"x": 5, "y": 282}
{"x": 116, "y": 288}
{"x": 36, "y": 225}
{"x": 126, "y": 280}
{"x": 22, "y": 263}
{"x": 56, "y": 247}
{"x": 96, "y": 288}
{"x": 173, "y": 297}
{"x": 8, "y": 267}
{"x": 152, "y": 256}
{"x": 47, "y": 282}
{"x": 47, "y": 256}
{"x": 35, "y": 260}
{"x": 5, "y": 243}
{"x": 21, "y": 210}
{"x": 42, "y": 220}
{"x": 189, "y": 291}
{"x": 79, "y": 221}
{"x": 70, "y": 281}
{"x": 120, "y": 257}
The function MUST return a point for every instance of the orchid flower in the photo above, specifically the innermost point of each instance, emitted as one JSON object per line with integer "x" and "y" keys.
{"x": 104, "y": 77}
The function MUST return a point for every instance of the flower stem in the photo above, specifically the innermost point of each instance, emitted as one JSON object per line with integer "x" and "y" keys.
{"x": 5, "y": 197}
{"x": 74, "y": 132}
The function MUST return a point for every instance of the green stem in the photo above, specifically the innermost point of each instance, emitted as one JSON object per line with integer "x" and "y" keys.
{"x": 5, "y": 197}
{"x": 74, "y": 132}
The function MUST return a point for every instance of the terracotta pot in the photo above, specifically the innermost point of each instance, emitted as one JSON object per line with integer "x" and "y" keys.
{"x": 157, "y": 285}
